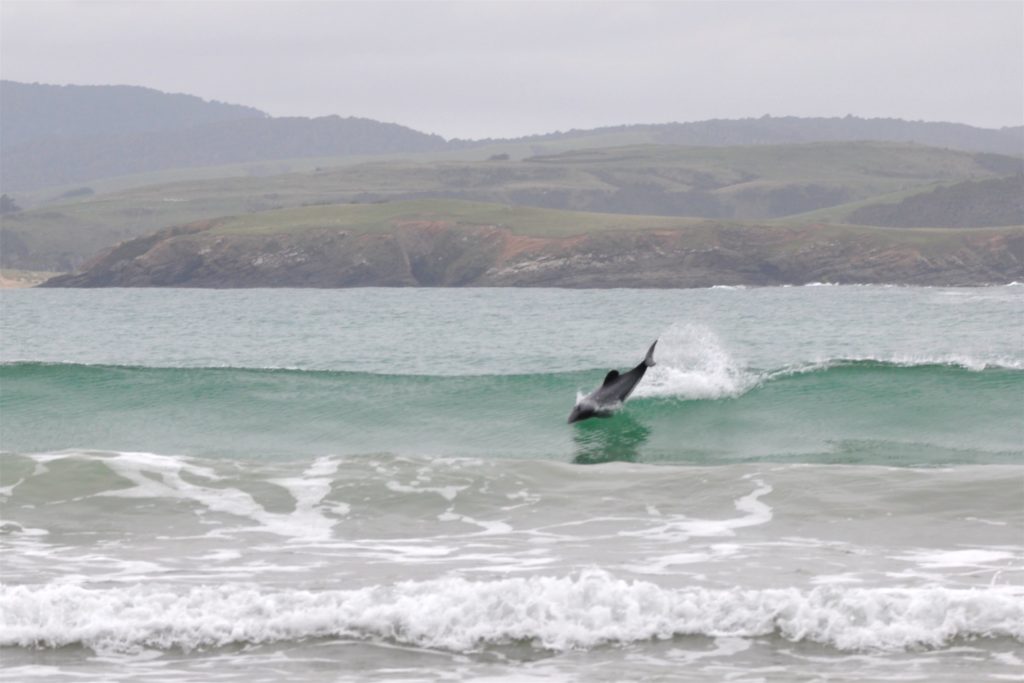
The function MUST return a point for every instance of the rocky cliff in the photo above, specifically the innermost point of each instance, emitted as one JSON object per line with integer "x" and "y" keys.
{"x": 443, "y": 253}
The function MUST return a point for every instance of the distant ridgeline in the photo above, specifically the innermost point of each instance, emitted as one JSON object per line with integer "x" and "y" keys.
{"x": 62, "y": 135}
{"x": 776, "y": 130}
{"x": 132, "y": 187}
{"x": 59, "y": 135}
{"x": 34, "y": 112}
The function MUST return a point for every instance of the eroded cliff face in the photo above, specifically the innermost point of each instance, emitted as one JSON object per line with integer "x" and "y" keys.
{"x": 442, "y": 254}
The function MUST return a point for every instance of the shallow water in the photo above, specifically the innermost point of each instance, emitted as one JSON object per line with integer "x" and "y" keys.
{"x": 819, "y": 483}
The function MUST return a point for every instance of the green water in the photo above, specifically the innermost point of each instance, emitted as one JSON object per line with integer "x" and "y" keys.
{"x": 814, "y": 482}
{"x": 857, "y": 412}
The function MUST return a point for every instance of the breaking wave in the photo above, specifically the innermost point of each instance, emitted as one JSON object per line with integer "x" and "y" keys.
{"x": 687, "y": 408}
{"x": 583, "y": 611}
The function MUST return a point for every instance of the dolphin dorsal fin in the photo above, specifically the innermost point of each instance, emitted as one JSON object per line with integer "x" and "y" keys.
{"x": 610, "y": 377}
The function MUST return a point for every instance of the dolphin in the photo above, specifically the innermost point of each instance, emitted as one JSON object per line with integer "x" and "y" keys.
{"x": 613, "y": 392}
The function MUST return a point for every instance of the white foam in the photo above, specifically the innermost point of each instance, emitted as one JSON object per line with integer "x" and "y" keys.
{"x": 693, "y": 363}
{"x": 966, "y": 362}
{"x": 655, "y": 565}
{"x": 309, "y": 491}
{"x": 15, "y": 528}
{"x": 490, "y": 527}
{"x": 555, "y": 613}
{"x": 164, "y": 476}
{"x": 946, "y": 559}
{"x": 447, "y": 492}
{"x": 8, "y": 491}
{"x": 678, "y": 528}
{"x": 836, "y": 579}
{"x": 972, "y": 363}
{"x": 989, "y": 522}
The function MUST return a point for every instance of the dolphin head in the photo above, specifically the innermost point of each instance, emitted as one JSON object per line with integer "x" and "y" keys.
{"x": 582, "y": 411}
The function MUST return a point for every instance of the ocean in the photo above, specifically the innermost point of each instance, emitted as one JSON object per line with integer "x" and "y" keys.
{"x": 821, "y": 483}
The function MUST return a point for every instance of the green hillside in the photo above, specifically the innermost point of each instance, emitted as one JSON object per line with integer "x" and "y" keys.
{"x": 972, "y": 203}
{"x": 74, "y": 136}
{"x": 724, "y": 183}
{"x": 37, "y": 111}
{"x": 375, "y": 218}
{"x": 529, "y": 221}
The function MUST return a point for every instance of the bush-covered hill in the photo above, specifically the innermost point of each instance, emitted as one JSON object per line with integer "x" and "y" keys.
{"x": 726, "y": 183}
{"x": 972, "y": 203}
{"x": 34, "y": 111}
{"x": 65, "y": 135}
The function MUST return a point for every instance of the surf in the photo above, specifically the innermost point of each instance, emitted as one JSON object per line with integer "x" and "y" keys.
{"x": 897, "y": 412}
{"x": 555, "y": 613}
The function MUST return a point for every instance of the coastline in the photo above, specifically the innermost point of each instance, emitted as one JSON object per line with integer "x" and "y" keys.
{"x": 23, "y": 279}
{"x": 447, "y": 253}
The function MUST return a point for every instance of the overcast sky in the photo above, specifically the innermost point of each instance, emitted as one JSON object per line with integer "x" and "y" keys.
{"x": 499, "y": 69}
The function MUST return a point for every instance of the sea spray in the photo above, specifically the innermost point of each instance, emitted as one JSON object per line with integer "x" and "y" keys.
{"x": 693, "y": 363}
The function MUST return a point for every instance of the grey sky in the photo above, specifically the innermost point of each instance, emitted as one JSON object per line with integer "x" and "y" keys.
{"x": 497, "y": 69}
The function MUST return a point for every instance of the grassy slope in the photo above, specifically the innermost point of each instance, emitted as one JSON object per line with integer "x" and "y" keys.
{"x": 81, "y": 228}
{"x": 843, "y": 161}
{"x": 842, "y": 213}
{"x": 838, "y": 213}
{"x": 364, "y": 218}
{"x": 368, "y": 218}
{"x": 277, "y": 167}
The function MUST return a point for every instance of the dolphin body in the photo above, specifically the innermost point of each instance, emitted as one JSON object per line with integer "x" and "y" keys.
{"x": 613, "y": 392}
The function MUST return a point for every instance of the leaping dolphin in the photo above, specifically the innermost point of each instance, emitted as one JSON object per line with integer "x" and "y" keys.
{"x": 616, "y": 388}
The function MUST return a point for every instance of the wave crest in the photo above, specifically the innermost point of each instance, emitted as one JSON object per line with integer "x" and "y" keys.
{"x": 552, "y": 613}
{"x": 693, "y": 363}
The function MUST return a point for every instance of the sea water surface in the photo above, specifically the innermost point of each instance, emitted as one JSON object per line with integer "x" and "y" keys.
{"x": 814, "y": 483}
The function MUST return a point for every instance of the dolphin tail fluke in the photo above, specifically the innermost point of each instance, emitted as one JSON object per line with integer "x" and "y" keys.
{"x": 649, "y": 358}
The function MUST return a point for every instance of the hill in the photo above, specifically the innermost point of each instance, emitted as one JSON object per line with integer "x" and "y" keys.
{"x": 726, "y": 183}
{"x": 777, "y": 130}
{"x": 34, "y": 111}
{"x": 74, "y": 135}
{"x": 49, "y": 161}
{"x": 454, "y": 243}
{"x": 973, "y": 203}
